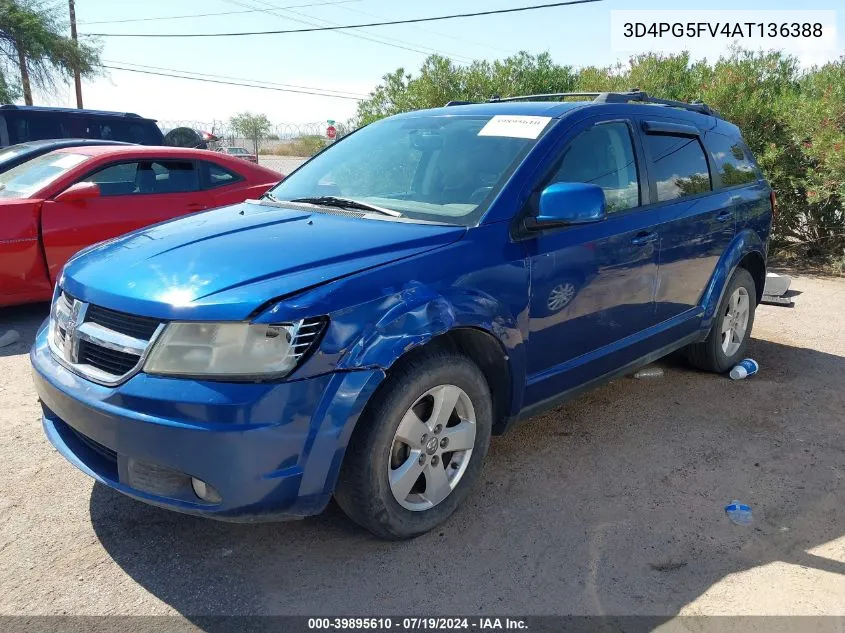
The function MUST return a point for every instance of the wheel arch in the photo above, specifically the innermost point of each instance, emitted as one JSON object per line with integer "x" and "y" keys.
{"x": 488, "y": 354}
{"x": 746, "y": 251}
{"x": 754, "y": 263}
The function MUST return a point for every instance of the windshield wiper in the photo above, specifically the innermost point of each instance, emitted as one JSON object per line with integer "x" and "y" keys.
{"x": 347, "y": 203}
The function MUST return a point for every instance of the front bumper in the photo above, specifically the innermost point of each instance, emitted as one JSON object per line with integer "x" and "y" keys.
{"x": 271, "y": 450}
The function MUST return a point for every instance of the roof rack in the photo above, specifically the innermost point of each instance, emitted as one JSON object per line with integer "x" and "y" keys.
{"x": 604, "y": 97}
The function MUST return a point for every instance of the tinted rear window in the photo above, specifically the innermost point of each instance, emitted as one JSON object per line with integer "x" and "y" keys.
{"x": 678, "y": 166}
{"x": 33, "y": 126}
{"x": 731, "y": 159}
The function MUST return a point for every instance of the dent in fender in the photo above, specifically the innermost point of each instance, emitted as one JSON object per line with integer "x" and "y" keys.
{"x": 415, "y": 318}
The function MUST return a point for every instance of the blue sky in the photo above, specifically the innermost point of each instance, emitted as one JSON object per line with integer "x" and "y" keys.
{"x": 578, "y": 35}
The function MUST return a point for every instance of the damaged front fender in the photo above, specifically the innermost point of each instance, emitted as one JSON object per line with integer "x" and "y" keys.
{"x": 416, "y": 316}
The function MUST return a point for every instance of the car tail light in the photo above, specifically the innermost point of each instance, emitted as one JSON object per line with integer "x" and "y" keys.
{"x": 774, "y": 200}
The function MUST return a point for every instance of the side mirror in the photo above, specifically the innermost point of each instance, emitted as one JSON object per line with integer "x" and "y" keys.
{"x": 566, "y": 203}
{"x": 79, "y": 192}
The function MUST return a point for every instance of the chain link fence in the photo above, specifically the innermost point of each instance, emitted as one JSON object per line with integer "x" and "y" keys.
{"x": 283, "y": 139}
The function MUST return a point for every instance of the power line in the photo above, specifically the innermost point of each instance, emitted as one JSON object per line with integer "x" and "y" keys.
{"x": 353, "y": 26}
{"x": 239, "y": 79}
{"x": 206, "y": 15}
{"x": 312, "y": 21}
{"x": 461, "y": 39}
{"x": 230, "y": 83}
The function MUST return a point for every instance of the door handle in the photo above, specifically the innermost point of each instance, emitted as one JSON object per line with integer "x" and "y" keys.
{"x": 196, "y": 206}
{"x": 645, "y": 238}
{"x": 725, "y": 215}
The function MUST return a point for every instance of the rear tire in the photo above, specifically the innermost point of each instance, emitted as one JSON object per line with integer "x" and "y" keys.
{"x": 399, "y": 479}
{"x": 727, "y": 341}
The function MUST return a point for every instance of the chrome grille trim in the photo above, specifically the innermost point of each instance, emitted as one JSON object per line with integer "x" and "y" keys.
{"x": 68, "y": 329}
{"x": 304, "y": 337}
{"x": 104, "y": 337}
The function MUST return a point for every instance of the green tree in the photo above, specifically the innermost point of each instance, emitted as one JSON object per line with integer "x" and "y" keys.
{"x": 440, "y": 81}
{"x": 35, "y": 52}
{"x": 254, "y": 127}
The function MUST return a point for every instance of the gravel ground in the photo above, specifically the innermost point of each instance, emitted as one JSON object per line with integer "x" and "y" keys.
{"x": 611, "y": 504}
{"x": 282, "y": 164}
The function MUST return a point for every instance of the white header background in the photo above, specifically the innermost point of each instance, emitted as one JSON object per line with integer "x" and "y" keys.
{"x": 809, "y": 50}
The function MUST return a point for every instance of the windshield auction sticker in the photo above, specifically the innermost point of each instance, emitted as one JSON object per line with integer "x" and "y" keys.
{"x": 515, "y": 126}
{"x": 810, "y": 35}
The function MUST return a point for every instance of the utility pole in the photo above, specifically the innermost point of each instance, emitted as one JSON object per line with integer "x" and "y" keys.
{"x": 77, "y": 80}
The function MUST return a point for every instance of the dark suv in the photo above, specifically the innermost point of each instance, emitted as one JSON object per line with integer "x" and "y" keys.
{"x": 21, "y": 124}
{"x": 424, "y": 282}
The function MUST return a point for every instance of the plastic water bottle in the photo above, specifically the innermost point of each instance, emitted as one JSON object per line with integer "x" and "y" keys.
{"x": 739, "y": 513}
{"x": 745, "y": 368}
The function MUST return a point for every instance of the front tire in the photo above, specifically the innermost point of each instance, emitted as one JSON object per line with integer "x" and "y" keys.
{"x": 418, "y": 448}
{"x": 727, "y": 341}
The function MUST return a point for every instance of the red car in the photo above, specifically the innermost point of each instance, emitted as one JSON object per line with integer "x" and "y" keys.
{"x": 56, "y": 204}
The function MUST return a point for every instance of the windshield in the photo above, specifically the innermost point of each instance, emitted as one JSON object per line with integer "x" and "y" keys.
{"x": 237, "y": 150}
{"x": 27, "y": 178}
{"x": 15, "y": 150}
{"x": 438, "y": 168}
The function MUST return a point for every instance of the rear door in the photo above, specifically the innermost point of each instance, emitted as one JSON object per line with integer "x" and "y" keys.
{"x": 735, "y": 171}
{"x": 697, "y": 223}
{"x": 133, "y": 194}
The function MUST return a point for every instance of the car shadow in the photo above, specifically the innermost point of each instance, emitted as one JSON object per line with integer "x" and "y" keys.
{"x": 25, "y": 320}
{"x": 612, "y": 504}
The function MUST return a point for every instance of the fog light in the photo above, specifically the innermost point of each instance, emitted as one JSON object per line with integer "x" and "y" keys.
{"x": 204, "y": 491}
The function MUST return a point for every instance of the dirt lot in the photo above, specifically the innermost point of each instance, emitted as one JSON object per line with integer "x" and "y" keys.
{"x": 612, "y": 504}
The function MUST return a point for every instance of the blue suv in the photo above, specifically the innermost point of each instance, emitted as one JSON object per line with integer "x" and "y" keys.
{"x": 363, "y": 329}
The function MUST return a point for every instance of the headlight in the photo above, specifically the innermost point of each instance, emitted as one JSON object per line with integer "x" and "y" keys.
{"x": 232, "y": 350}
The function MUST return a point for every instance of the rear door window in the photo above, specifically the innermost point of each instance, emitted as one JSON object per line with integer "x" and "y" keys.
{"x": 678, "y": 166}
{"x": 731, "y": 160}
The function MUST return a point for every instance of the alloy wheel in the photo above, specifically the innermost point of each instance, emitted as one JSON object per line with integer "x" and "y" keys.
{"x": 432, "y": 447}
{"x": 735, "y": 321}
{"x": 560, "y": 296}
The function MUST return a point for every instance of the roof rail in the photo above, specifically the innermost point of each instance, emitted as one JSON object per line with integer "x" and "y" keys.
{"x": 611, "y": 97}
{"x": 543, "y": 97}
{"x": 457, "y": 103}
{"x": 644, "y": 97}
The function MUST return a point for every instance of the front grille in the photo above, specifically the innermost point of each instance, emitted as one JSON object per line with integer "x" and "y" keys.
{"x": 102, "y": 344}
{"x": 105, "y": 359}
{"x": 129, "y": 324}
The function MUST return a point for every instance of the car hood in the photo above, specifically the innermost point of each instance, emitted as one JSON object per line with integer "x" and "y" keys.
{"x": 226, "y": 263}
